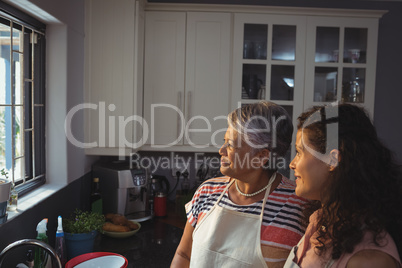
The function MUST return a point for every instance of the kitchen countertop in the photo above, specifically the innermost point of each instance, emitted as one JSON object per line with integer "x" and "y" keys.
{"x": 153, "y": 245}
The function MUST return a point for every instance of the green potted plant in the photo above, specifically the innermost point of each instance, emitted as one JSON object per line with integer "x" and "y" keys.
{"x": 80, "y": 230}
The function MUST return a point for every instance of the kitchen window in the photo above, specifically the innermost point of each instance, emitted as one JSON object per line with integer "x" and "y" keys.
{"x": 22, "y": 98}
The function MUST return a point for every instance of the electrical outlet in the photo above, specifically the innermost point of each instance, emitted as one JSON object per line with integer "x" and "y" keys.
{"x": 199, "y": 159}
{"x": 181, "y": 166}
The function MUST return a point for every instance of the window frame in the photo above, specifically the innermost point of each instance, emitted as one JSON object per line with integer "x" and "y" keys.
{"x": 33, "y": 99}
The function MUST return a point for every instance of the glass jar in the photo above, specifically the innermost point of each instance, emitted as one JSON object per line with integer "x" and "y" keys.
{"x": 13, "y": 200}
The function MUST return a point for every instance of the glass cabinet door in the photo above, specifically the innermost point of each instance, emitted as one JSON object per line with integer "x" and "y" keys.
{"x": 261, "y": 49}
{"x": 268, "y": 58}
{"x": 254, "y": 68}
{"x": 340, "y": 56}
{"x": 268, "y": 62}
{"x": 327, "y": 44}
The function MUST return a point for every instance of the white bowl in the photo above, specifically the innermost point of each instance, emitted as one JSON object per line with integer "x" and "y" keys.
{"x": 103, "y": 262}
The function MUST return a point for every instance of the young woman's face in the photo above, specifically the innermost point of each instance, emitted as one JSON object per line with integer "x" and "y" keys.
{"x": 236, "y": 157}
{"x": 311, "y": 173}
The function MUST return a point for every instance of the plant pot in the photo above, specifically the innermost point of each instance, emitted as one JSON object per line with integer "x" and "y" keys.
{"x": 5, "y": 186}
{"x": 78, "y": 244}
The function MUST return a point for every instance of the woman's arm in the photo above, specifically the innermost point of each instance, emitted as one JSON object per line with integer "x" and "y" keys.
{"x": 371, "y": 258}
{"x": 183, "y": 252}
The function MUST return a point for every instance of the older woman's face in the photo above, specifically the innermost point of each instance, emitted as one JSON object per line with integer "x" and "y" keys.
{"x": 236, "y": 157}
{"x": 311, "y": 173}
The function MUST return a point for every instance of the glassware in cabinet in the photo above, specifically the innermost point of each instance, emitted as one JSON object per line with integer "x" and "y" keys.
{"x": 325, "y": 84}
{"x": 253, "y": 81}
{"x": 353, "y": 85}
{"x": 282, "y": 82}
{"x": 355, "y": 45}
{"x": 284, "y": 42}
{"x": 263, "y": 46}
{"x": 255, "y": 41}
{"x": 339, "y": 61}
{"x": 327, "y": 44}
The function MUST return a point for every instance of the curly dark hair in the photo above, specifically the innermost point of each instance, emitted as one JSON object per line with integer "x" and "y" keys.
{"x": 364, "y": 189}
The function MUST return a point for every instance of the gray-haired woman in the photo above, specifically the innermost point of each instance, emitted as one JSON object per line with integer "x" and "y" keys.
{"x": 251, "y": 217}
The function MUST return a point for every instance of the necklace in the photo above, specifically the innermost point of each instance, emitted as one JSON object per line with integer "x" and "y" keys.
{"x": 271, "y": 180}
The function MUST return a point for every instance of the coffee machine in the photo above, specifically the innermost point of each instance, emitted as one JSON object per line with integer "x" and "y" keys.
{"x": 124, "y": 189}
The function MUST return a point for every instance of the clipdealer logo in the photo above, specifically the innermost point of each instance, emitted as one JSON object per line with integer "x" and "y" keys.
{"x": 110, "y": 124}
{"x": 153, "y": 164}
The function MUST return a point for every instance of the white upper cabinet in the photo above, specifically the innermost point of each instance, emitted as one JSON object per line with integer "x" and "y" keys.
{"x": 208, "y": 69}
{"x": 186, "y": 79}
{"x": 168, "y": 76}
{"x": 302, "y": 60}
{"x": 113, "y": 76}
{"x": 341, "y": 61}
{"x": 164, "y": 72}
{"x": 269, "y": 60}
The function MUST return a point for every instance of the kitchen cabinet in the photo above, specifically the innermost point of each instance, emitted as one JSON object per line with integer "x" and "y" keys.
{"x": 308, "y": 58}
{"x": 269, "y": 60}
{"x": 186, "y": 79}
{"x": 113, "y": 76}
{"x": 341, "y": 61}
{"x": 201, "y": 61}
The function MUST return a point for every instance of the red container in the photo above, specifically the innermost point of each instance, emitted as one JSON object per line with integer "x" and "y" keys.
{"x": 160, "y": 204}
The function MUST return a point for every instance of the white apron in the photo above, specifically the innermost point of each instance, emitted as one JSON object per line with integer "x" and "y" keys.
{"x": 228, "y": 238}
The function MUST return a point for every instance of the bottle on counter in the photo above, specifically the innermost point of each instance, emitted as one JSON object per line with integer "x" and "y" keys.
{"x": 96, "y": 198}
{"x": 13, "y": 200}
{"x": 60, "y": 243}
{"x": 160, "y": 204}
{"x": 40, "y": 255}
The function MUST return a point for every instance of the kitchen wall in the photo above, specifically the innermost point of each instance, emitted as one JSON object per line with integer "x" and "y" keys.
{"x": 162, "y": 163}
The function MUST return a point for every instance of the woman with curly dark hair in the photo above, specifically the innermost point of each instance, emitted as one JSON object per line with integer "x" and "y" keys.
{"x": 342, "y": 165}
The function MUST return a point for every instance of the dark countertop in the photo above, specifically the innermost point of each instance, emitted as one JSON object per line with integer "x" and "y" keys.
{"x": 153, "y": 245}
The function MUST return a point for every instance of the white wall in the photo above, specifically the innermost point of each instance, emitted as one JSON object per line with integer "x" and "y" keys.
{"x": 56, "y": 95}
{"x": 64, "y": 84}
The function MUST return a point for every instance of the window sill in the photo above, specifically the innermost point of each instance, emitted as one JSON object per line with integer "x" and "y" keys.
{"x": 34, "y": 197}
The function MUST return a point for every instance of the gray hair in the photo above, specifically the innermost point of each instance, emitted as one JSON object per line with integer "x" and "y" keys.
{"x": 263, "y": 125}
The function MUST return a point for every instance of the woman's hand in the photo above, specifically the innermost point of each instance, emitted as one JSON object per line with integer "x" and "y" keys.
{"x": 183, "y": 252}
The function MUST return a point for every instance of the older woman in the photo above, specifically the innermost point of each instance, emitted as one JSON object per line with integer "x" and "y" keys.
{"x": 341, "y": 163}
{"x": 251, "y": 217}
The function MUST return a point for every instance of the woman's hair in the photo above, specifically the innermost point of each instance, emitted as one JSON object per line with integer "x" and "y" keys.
{"x": 263, "y": 125}
{"x": 364, "y": 190}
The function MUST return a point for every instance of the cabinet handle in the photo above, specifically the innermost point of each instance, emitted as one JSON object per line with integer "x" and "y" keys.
{"x": 178, "y": 115}
{"x": 188, "y": 106}
{"x": 188, "y": 112}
